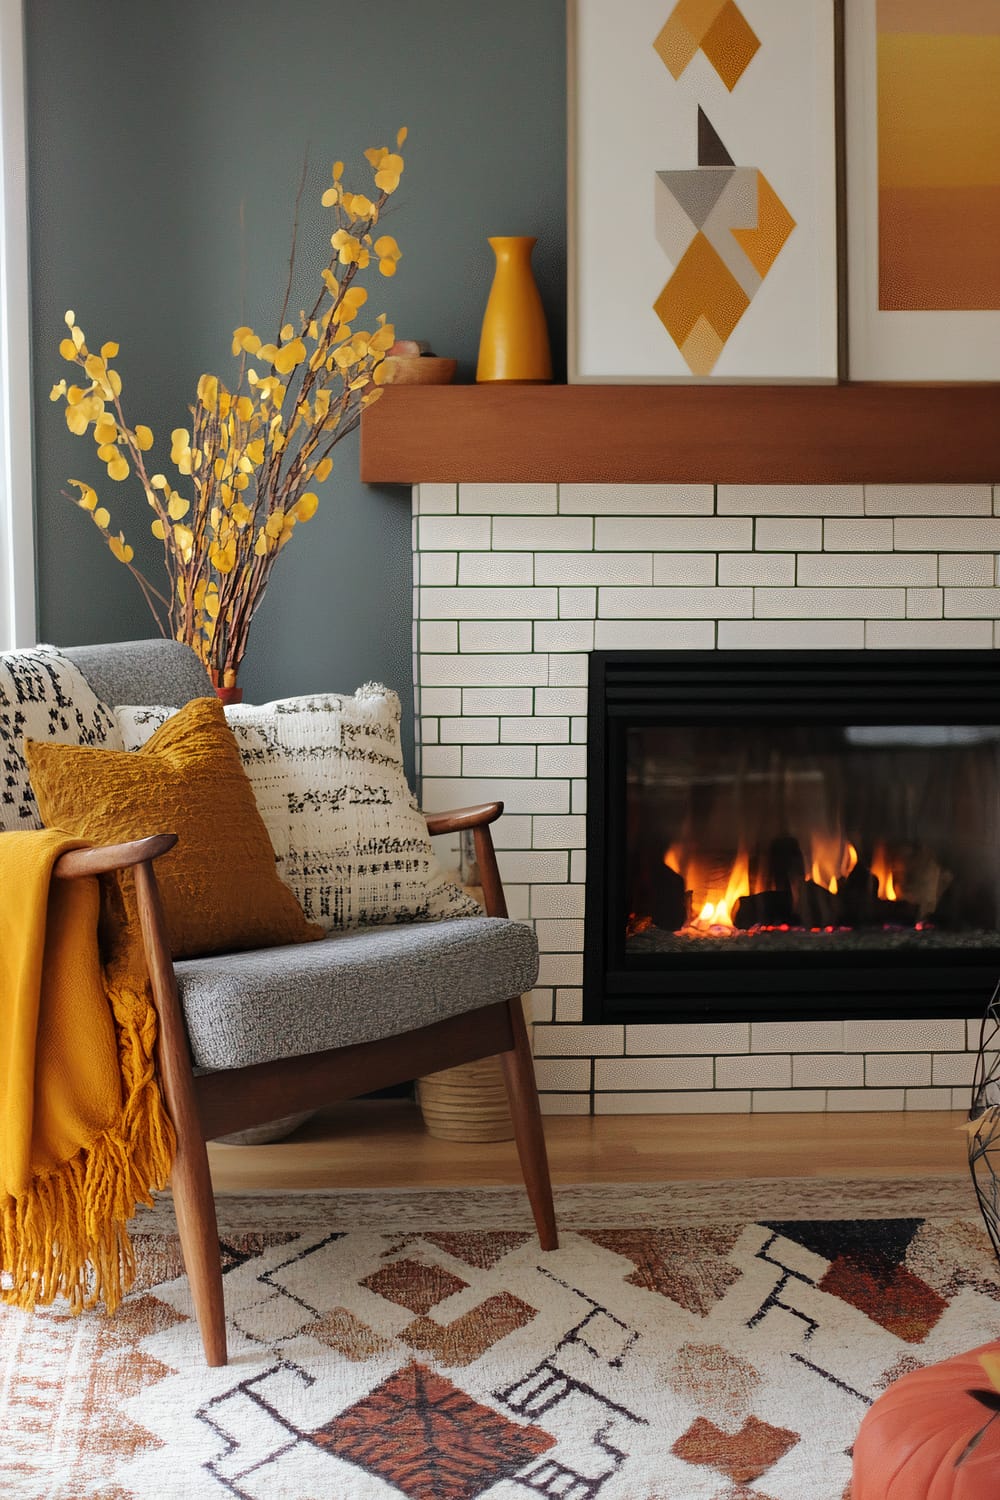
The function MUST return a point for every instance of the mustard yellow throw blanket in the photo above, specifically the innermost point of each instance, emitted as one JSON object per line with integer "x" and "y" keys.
{"x": 84, "y": 1135}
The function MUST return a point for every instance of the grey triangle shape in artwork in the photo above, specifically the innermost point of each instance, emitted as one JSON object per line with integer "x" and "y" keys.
{"x": 711, "y": 151}
{"x": 697, "y": 189}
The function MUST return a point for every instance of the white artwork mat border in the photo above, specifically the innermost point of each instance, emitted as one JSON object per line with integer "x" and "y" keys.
{"x": 623, "y": 105}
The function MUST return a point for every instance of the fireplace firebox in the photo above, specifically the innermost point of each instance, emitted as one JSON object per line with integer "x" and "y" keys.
{"x": 792, "y": 835}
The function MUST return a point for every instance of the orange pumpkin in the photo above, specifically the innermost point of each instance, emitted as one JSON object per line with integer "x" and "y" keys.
{"x": 910, "y": 1440}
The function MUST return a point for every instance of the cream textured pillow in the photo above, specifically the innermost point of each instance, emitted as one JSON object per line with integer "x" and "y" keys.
{"x": 327, "y": 773}
{"x": 43, "y": 696}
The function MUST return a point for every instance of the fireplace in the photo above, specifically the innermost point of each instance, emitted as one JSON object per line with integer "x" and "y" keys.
{"x": 778, "y": 835}
{"x": 516, "y": 584}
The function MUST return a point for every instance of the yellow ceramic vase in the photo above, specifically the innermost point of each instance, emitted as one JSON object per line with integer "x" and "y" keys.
{"x": 514, "y": 343}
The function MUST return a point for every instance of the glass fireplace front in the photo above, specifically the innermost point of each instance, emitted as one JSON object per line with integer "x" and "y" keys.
{"x": 810, "y": 834}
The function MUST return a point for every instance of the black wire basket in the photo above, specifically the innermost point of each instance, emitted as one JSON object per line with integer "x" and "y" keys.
{"x": 984, "y": 1121}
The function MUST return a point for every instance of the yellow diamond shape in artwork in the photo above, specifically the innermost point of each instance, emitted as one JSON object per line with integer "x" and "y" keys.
{"x": 713, "y": 282}
{"x": 702, "y": 348}
{"x": 761, "y": 244}
{"x": 730, "y": 45}
{"x": 718, "y": 27}
{"x": 683, "y": 30}
{"x": 701, "y": 287}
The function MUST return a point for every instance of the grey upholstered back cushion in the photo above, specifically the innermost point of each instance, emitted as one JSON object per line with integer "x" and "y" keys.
{"x": 244, "y": 1008}
{"x": 157, "y": 671}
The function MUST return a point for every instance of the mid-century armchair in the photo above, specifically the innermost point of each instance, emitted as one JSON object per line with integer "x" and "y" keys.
{"x": 246, "y": 1038}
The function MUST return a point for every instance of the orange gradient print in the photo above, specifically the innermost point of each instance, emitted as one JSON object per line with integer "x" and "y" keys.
{"x": 939, "y": 154}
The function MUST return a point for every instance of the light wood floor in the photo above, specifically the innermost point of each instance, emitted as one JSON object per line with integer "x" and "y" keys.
{"x": 383, "y": 1143}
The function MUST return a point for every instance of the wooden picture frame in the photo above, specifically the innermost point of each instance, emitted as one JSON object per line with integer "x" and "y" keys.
{"x": 704, "y": 192}
{"x": 923, "y": 190}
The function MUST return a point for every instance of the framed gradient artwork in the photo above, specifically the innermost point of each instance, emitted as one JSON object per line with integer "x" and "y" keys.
{"x": 703, "y": 190}
{"x": 923, "y": 189}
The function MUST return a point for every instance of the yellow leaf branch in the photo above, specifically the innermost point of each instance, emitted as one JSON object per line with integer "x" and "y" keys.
{"x": 253, "y": 456}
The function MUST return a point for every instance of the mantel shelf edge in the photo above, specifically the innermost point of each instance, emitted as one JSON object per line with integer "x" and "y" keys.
{"x": 634, "y": 434}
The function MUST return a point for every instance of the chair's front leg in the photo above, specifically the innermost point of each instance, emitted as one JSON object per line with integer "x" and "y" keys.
{"x": 522, "y": 1091}
{"x": 190, "y": 1179}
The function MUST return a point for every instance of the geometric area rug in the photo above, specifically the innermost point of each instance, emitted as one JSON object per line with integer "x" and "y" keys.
{"x": 712, "y": 1341}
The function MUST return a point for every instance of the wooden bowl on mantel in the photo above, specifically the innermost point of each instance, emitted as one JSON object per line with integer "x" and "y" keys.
{"x": 418, "y": 369}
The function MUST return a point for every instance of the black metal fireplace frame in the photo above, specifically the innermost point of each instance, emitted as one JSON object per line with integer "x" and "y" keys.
{"x": 721, "y": 688}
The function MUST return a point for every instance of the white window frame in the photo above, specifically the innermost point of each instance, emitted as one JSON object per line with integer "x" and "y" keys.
{"x": 17, "y": 542}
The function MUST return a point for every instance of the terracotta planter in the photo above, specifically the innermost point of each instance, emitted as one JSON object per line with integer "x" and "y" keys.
{"x": 226, "y": 692}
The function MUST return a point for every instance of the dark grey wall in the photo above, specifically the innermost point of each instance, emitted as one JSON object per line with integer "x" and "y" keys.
{"x": 149, "y": 124}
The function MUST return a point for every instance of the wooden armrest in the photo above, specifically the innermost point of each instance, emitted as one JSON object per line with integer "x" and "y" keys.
{"x": 478, "y": 819}
{"x": 101, "y": 861}
{"x": 463, "y": 817}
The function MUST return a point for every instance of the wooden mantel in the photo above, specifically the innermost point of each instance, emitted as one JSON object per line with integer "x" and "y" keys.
{"x": 744, "y": 434}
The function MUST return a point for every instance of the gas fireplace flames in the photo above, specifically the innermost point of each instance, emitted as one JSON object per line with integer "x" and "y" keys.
{"x": 831, "y": 888}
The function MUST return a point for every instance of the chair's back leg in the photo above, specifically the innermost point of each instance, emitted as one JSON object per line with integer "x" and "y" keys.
{"x": 190, "y": 1179}
{"x": 522, "y": 1091}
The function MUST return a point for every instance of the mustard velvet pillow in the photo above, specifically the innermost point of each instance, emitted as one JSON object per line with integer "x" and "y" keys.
{"x": 219, "y": 884}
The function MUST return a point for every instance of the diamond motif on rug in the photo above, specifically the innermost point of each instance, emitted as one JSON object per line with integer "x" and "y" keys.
{"x": 687, "y": 1265}
{"x": 743, "y": 1455}
{"x": 339, "y": 1329}
{"x": 719, "y": 1382}
{"x": 412, "y": 1285}
{"x": 890, "y": 1295}
{"x": 468, "y": 1337}
{"x": 431, "y": 1440}
{"x": 137, "y": 1318}
{"x": 483, "y": 1251}
{"x": 867, "y": 1270}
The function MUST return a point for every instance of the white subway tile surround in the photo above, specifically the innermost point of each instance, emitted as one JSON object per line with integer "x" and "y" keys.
{"x": 525, "y": 578}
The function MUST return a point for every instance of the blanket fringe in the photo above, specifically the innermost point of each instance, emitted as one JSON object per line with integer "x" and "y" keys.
{"x": 68, "y": 1235}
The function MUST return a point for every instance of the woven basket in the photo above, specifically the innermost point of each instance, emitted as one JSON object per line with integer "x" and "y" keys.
{"x": 467, "y": 1103}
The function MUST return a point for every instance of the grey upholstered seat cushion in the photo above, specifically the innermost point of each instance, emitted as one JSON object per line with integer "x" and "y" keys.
{"x": 253, "y": 1007}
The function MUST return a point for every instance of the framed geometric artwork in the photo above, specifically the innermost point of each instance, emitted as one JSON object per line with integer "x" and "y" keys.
{"x": 923, "y": 189}
{"x": 703, "y": 161}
